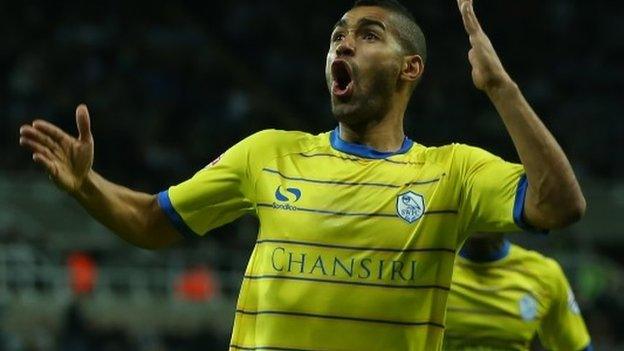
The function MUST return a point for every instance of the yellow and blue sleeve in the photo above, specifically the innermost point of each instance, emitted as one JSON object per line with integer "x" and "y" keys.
{"x": 493, "y": 192}
{"x": 214, "y": 196}
{"x": 563, "y": 327}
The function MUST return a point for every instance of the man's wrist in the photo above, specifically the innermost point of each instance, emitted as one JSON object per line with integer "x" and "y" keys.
{"x": 502, "y": 90}
{"x": 85, "y": 189}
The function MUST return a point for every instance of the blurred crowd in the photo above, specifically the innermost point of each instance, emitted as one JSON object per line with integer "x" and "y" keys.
{"x": 172, "y": 85}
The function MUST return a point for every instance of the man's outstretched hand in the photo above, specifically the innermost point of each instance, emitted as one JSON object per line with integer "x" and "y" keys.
{"x": 488, "y": 72}
{"x": 66, "y": 159}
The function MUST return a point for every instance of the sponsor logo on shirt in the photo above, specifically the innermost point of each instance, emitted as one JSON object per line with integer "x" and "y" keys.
{"x": 304, "y": 263}
{"x": 286, "y": 197}
{"x": 291, "y": 195}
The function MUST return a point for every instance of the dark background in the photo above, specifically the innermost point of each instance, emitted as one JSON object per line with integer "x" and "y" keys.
{"x": 170, "y": 86}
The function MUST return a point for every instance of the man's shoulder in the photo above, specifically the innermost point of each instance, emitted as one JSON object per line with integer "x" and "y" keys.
{"x": 274, "y": 135}
{"x": 527, "y": 255}
{"x": 452, "y": 151}
{"x": 281, "y": 138}
{"x": 535, "y": 261}
{"x": 277, "y": 142}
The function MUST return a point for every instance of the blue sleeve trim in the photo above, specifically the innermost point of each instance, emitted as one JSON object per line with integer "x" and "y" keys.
{"x": 518, "y": 210}
{"x": 165, "y": 204}
{"x": 589, "y": 347}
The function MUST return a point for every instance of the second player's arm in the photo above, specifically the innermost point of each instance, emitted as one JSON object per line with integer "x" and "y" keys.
{"x": 554, "y": 198}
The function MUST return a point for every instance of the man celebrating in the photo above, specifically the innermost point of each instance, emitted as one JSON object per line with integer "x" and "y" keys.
{"x": 358, "y": 226}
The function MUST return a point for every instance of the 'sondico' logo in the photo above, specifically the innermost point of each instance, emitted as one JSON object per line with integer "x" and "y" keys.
{"x": 294, "y": 194}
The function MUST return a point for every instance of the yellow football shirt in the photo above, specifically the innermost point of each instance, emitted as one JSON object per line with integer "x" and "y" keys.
{"x": 502, "y": 304}
{"x": 356, "y": 247}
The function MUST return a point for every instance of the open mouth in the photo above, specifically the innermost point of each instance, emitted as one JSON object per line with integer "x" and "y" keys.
{"x": 343, "y": 83}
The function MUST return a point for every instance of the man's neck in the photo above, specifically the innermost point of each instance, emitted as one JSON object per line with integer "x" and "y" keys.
{"x": 385, "y": 135}
{"x": 484, "y": 249}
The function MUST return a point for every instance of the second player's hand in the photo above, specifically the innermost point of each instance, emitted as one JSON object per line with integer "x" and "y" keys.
{"x": 488, "y": 72}
{"x": 65, "y": 158}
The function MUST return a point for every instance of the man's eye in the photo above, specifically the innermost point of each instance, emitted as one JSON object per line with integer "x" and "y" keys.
{"x": 370, "y": 36}
{"x": 338, "y": 37}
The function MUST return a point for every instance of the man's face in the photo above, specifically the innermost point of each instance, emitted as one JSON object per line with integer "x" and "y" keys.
{"x": 363, "y": 65}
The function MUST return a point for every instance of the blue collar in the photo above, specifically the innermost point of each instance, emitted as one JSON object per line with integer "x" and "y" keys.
{"x": 495, "y": 256}
{"x": 363, "y": 150}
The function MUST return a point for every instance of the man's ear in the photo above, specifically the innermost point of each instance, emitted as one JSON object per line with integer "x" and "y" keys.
{"x": 413, "y": 68}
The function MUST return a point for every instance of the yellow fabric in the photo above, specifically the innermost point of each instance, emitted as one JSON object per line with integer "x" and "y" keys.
{"x": 501, "y": 305}
{"x": 353, "y": 253}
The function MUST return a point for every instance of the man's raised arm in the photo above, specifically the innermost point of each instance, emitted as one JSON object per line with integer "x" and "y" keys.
{"x": 136, "y": 217}
{"x": 554, "y": 198}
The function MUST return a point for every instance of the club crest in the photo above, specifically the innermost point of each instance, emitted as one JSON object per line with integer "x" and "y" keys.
{"x": 410, "y": 206}
{"x": 528, "y": 308}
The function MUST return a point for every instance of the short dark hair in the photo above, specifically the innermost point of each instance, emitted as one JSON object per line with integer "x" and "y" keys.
{"x": 411, "y": 35}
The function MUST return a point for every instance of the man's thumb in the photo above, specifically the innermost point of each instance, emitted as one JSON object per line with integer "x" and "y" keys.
{"x": 84, "y": 123}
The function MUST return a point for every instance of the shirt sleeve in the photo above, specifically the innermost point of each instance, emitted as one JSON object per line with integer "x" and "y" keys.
{"x": 214, "y": 196}
{"x": 492, "y": 192}
{"x": 563, "y": 327}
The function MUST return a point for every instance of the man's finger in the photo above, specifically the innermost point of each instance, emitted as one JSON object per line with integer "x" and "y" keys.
{"x": 471, "y": 23}
{"x": 47, "y": 163}
{"x": 36, "y": 147}
{"x": 36, "y": 135}
{"x": 84, "y": 123}
{"x": 52, "y": 131}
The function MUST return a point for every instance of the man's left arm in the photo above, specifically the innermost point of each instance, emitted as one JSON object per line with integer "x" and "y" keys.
{"x": 554, "y": 198}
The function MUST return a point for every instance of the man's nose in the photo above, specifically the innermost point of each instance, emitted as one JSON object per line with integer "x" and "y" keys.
{"x": 346, "y": 47}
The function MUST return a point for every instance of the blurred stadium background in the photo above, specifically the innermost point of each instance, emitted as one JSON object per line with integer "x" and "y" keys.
{"x": 172, "y": 85}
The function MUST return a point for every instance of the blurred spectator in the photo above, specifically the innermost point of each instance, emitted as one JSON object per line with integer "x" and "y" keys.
{"x": 197, "y": 284}
{"x": 82, "y": 273}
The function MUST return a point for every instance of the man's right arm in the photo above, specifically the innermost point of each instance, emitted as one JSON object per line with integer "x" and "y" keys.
{"x": 136, "y": 217}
